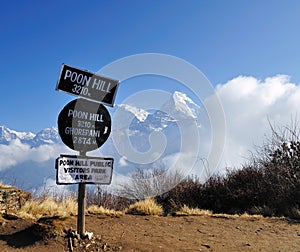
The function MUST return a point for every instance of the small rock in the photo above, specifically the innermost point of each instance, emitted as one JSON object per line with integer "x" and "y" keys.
{"x": 248, "y": 244}
{"x": 2, "y": 222}
{"x": 89, "y": 235}
{"x": 10, "y": 216}
{"x": 70, "y": 246}
{"x": 205, "y": 245}
{"x": 105, "y": 247}
{"x": 74, "y": 243}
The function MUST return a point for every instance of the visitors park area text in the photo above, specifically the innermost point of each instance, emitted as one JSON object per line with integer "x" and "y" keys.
{"x": 91, "y": 170}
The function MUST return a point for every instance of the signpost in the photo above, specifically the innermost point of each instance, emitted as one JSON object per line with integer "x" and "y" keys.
{"x": 84, "y": 125}
{"x": 87, "y": 85}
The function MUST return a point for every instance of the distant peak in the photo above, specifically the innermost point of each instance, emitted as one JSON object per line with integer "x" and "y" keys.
{"x": 3, "y": 127}
{"x": 184, "y": 105}
{"x": 53, "y": 128}
{"x": 178, "y": 96}
{"x": 139, "y": 113}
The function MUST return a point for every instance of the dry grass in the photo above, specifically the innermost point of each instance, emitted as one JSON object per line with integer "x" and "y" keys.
{"x": 104, "y": 211}
{"x": 185, "y": 210}
{"x": 48, "y": 207}
{"x": 145, "y": 207}
{"x": 251, "y": 216}
{"x": 4, "y": 186}
{"x": 235, "y": 216}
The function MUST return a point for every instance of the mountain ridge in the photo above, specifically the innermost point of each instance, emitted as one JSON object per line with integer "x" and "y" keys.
{"x": 45, "y": 146}
{"x": 179, "y": 105}
{"x": 45, "y": 136}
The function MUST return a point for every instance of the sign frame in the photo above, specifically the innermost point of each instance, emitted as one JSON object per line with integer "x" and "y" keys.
{"x": 87, "y": 85}
{"x": 83, "y": 162}
{"x": 88, "y": 125}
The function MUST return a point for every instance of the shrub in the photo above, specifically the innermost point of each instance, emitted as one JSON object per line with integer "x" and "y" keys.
{"x": 185, "y": 210}
{"x": 145, "y": 207}
{"x": 236, "y": 192}
{"x": 36, "y": 209}
{"x": 104, "y": 211}
{"x": 100, "y": 196}
{"x": 268, "y": 185}
{"x": 187, "y": 192}
{"x": 149, "y": 183}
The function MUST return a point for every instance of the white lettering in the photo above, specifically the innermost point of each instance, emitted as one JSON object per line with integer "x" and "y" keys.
{"x": 77, "y": 78}
{"x": 67, "y": 74}
{"x": 108, "y": 88}
{"x": 96, "y": 117}
{"x": 86, "y": 80}
{"x": 98, "y": 84}
{"x": 73, "y": 76}
{"x": 78, "y": 114}
{"x": 82, "y": 132}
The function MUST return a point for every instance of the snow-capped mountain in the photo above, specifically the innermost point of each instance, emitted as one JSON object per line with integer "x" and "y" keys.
{"x": 46, "y": 136}
{"x": 7, "y": 135}
{"x": 178, "y": 107}
{"x": 139, "y": 113}
{"x": 164, "y": 120}
{"x": 181, "y": 106}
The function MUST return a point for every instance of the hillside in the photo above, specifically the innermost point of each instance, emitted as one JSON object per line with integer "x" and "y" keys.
{"x": 152, "y": 233}
{"x": 45, "y": 225}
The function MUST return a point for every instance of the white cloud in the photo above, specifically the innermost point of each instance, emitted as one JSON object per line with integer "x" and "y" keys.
{"x": 122, "y": 161}
{"x": 249, "y": 105}
{"x": 17, "y": 152}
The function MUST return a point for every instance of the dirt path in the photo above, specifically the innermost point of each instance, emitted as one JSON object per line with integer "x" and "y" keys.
{"x": 150, "y": 233}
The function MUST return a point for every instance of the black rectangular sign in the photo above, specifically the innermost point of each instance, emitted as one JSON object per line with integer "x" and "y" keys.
{"x": 87, "y": 85}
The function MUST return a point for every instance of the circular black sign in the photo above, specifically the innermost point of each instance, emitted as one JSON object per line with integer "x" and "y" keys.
{"x": 84, "y": 125}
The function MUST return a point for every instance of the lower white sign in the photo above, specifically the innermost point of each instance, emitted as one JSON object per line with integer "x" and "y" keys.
{"x": 88, "y": 170}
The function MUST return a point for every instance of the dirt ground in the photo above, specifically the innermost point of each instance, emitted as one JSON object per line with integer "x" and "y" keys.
{"x": 151, "y": 233}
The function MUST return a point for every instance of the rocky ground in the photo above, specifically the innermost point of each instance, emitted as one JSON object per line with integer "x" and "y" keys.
{"x": 151, "y": 233}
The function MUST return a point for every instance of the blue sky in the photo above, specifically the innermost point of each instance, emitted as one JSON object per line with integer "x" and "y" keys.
{"x": 224, "y": 39}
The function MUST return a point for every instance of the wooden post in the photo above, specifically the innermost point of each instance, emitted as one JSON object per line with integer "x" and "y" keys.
{"x": 81, "y": 207}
